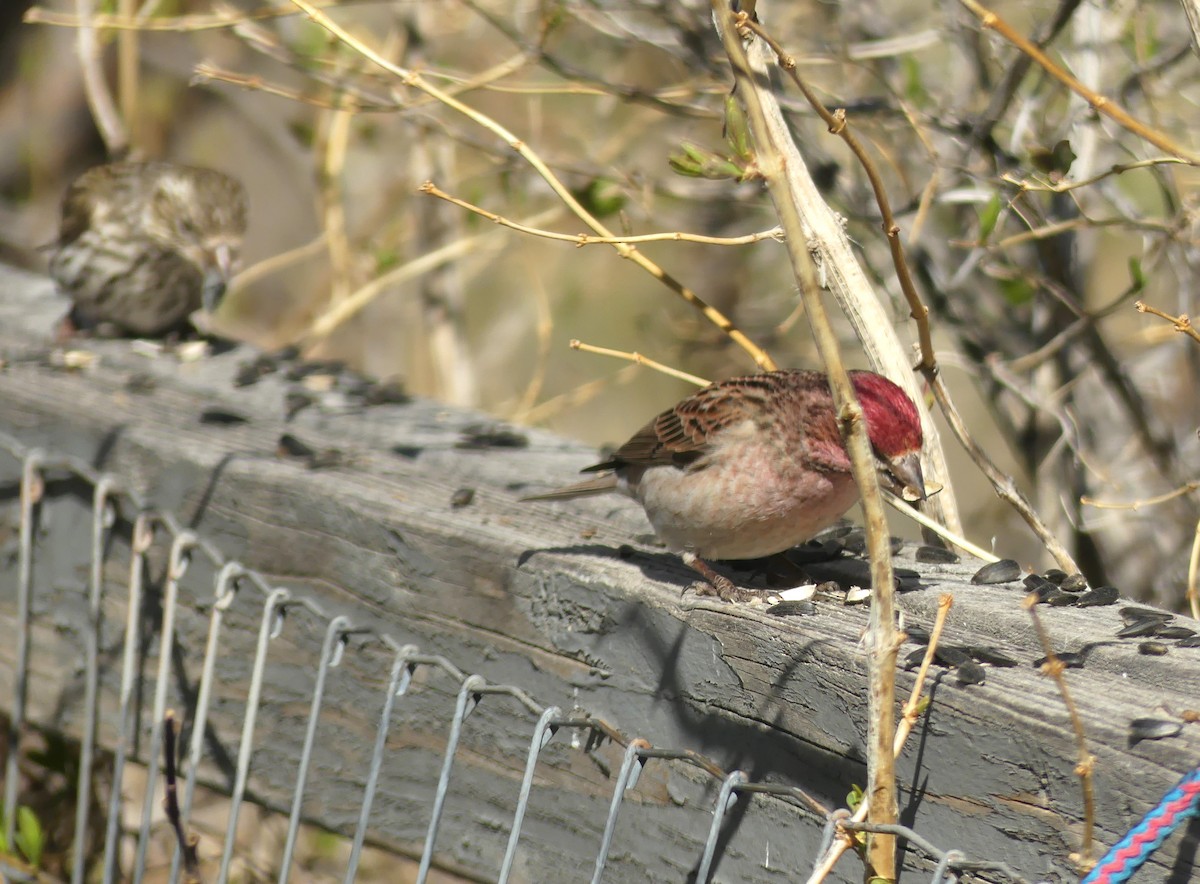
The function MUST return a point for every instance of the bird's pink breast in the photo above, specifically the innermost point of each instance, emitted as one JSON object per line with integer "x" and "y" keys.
{"x": 749, "y": 500}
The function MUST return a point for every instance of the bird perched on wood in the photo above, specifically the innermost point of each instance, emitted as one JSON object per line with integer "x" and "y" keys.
{"x": 142, "y": 246}
{"x": 754, "y": 465}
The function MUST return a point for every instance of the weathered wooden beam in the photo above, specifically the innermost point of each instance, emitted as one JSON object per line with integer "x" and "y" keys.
{"x": 569, "y": 602}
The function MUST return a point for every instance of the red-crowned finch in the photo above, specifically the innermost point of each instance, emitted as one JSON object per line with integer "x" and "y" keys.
{"x": 754, "y": 465}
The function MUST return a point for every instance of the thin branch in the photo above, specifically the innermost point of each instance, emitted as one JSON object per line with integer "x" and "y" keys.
{"x": 950, "y": 537}
{"x": 1098, "y": 102}
{"x": 95, "y": 87}
{"x": 1138, "y": 504}
{"x": 38, "y": 15}
{"x": 576, "y": 344}
{"x": 415, "y": 80}
{"x": 1181, "y": 322}
{"x": 580, "y": 395}
{"x": 1116, "y": 169}
{"x": 837, "y": 123}
{"x": 1006, "y": 489}
{"x": 583, "y": 239}
{"x": 1193, "y": 593}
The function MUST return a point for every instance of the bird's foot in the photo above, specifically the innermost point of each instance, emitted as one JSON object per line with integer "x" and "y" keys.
{"x": 718, "y": 585}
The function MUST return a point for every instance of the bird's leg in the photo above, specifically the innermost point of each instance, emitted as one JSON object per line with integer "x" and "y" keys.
{"x": 720, "y": 586}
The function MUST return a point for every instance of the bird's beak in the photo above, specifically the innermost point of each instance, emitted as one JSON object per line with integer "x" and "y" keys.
{"x": 216, "y": 279}
{"x": 906, "y": 478}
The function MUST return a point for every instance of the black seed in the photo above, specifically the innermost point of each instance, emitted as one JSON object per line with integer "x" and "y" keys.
{"x": 1098, "y": 597}
{"x": 1074, "y": 583}
{"x": 1152, "y": 649}
{"x": 917, "y": 634}
{"x": 971, "y": 673}
{"x": 141, "y": 382}
{"x": 1054, "y": 575}
{"x": 491, "y": 436}
{"x": 386, "y": 393}
{"x": 897, "y": 545}
{"x": 1131, "y": 613}
{"x": 1175, "y": 632}
{"x": 329, "y": 457}
{"x": 286, "y": 353}
{"x": 289, "y": 446}
{"x": 1139, "y": 628}
{"x": 816, "y": 550}
{"x": 625, "y": 551}
{"x": 222, "y": 417}
{"x": 1058, "y": 599}
{"x": 991, "y": 656}
{"x": 302, "y": 370}
{"x": 1034, "y": 581}
{"x": 462, "y": 497}
{"x": 793, "y": 608}
{"x": 913, "y": 659}
{"x": 1190, "y": 642}
{"x": 1003, "y": 571}
{"x": 837, "y": 532}
{"x": 855, "y": 542}
{"x": 951, "y": 655}
{"x": 936, "y": 555}
{"x": 1153, "y": 729}
{"x": 295, "y": 402}
{"x": 1070, "y": 659}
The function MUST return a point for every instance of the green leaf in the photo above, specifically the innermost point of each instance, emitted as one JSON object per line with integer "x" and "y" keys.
{"x": 699, "y": 162}
{"x": 1137, "y": 275}
{"x": 989, "y": 216}
{"x": 1017, "y": 292}
{"x": 1055, "y": 162}
{"x": 854, "y": 798}
{"x": 30, "y": 838}
{"x": 914, "y": 89}
{"x": 737, "y": 130}
{"x": 602, "y": 197}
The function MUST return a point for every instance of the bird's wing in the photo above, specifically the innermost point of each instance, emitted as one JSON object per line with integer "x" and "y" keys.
{"x": 681, "y": 436}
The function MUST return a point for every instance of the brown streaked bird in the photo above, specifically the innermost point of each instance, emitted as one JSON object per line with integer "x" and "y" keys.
{"x": 754, "y": 465}
{"x": 142, "y": 246}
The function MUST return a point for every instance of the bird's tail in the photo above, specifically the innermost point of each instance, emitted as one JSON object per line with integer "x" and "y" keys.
{"x": 600, "y": 485}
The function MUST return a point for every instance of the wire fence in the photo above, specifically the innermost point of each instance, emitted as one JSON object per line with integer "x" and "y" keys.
{"x": 116, "y": 512}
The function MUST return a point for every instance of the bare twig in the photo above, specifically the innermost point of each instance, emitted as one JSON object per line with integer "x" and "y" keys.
{"x": 187, "y": 842}
{"x": 584, "y": 239}
{"x": 925, "y": 522}
{"x": 1138, "y": 504}
{"x": 1193, "y": 592}
{"x": 883, "y": 640}
{"x": 1056, "y": 669}
{"x": 1100, "y": 103}
{"x": 95, "y": 87}
{"x": 912, "y": 711}
{"x": 640, "y": 360}
{"x": 1006, "y": 488}
{"x": 1181, "y": 322}
{"x": 1116, "y": 169}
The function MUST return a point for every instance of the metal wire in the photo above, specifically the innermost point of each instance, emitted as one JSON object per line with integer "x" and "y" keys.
{"x": 230, "y": 585}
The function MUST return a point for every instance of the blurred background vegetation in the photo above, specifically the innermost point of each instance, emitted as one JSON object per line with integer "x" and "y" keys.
{"x": 1031, "y": 287}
